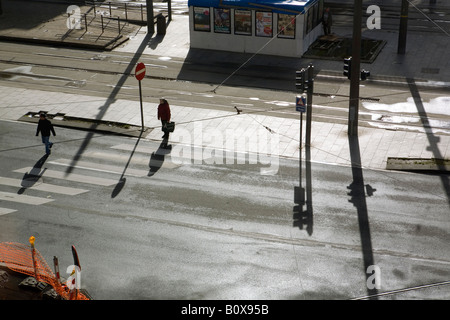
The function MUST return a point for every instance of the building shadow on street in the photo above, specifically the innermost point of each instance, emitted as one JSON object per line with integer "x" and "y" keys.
{"x": 157, "y": 158}
{"x": 358, "y": 198}
{"x": 29, "y": 179}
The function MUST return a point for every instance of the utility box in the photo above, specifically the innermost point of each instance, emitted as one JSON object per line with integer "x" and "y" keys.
{"x": 161, "y": 24}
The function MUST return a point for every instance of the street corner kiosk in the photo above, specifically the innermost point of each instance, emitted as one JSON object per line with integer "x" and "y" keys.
{"x": 282, "y": 28}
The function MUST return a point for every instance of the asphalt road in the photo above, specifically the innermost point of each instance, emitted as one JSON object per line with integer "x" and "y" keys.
{"x": 150, "y": 226}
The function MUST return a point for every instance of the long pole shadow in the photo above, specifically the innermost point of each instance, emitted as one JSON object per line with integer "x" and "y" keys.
{"x": 358, "y": 198}
{"x": 109, "y": 101}
{"x": 432, "y": 139}
{"x": 29, "y": 179}
{"x": 122, "y": 179}
{"x": 303, "y": 216}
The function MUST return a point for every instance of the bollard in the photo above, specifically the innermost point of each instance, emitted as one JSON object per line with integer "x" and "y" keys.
{"x": 85, "y": 22}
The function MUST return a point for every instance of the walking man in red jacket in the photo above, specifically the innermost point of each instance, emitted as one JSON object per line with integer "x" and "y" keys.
{"x": 164, "y": 116}
{"x": 45, "y": 126}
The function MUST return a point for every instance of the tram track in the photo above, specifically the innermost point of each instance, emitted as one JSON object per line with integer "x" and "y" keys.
{"x": 81, "y": 71}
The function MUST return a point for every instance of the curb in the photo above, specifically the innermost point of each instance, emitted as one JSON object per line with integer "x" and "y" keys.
{"x": 418, "y": 164}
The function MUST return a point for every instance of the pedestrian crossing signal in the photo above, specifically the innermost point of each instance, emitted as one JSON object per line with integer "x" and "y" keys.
{"x": 300, "y": 82}
{"x": 347, "y": 67}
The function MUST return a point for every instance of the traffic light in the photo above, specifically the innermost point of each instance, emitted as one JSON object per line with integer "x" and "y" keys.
{"x": 347, "y": 67}
{"x": 300, "y": 82}
{"x": 364, "y": 74}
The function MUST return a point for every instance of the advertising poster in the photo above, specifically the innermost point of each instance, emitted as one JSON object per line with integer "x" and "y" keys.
{"x": 202, "y": 20}
{"x": 286, "y": 26}
{"x": 264, "y": 25}
{"x": 222, "y": 20}
{"x": 243, "y": 22}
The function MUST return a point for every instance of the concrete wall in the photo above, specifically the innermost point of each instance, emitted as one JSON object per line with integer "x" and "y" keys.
{"x": 251, "y": 43}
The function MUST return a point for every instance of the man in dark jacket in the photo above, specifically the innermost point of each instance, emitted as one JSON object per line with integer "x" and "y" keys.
{"x": 164, "y": 115}
{"x": 45, "y": 127}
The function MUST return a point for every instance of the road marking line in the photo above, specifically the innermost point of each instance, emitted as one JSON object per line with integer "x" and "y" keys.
{"x": 4, "y": 211}
{"x": 21, "y": 198}
{"x": 28, "y": 184}
{"x": 136, "y": 159}
{"x": 100, "y": 167}
{"x": 196, "y": 152}
{"x": 73, "y": 177}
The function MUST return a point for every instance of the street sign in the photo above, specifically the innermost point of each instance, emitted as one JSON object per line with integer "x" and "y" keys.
{"x": 300, "y": 104}
{"x": 140, "y": 74}
{"x": 140, "y": 71}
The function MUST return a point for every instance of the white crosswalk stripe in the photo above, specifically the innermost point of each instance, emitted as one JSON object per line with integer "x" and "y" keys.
{"x": 172, "y": 160}
{"x": 72, "y": 177}
{"x": 136, "y": 159}
{"x": 88, "y": 165}
{"x": 6, "y": 211}
{"x": 122, "y": 159}
{"x": 23, "y": 198}
{"x": 40, "y": 186}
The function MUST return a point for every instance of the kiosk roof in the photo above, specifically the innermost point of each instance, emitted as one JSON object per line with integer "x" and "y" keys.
{"x": 278, "y": 6}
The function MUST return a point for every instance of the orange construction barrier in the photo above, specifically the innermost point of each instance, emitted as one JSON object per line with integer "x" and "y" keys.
{"x": 23, "y": 259}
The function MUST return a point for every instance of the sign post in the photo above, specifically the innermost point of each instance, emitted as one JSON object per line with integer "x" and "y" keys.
{"x": 140, "y": 74}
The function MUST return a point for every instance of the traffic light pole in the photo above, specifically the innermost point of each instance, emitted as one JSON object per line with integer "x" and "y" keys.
{"x": 309, "y": 104}
{"x": 403, "y": 29}
{"x": 355, "y": 70}
{"x": 150, "y": 17}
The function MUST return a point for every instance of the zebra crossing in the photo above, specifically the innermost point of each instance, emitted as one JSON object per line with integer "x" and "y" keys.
{"x": 116, "y": 161}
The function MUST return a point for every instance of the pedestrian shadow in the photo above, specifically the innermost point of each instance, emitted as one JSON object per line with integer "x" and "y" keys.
{"x": 304, "y": 216}
{"x": 358, "y": 198}
{"x": 157, "y": 158}
{"x": 29, "y": 179}
{"x": 155, "y": 41}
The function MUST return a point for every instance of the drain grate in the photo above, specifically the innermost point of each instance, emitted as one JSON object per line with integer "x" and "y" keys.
{"x": 430, "y": 70}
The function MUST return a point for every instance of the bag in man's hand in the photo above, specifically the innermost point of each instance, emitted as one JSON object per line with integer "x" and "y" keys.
{"x": 170, "y": 126}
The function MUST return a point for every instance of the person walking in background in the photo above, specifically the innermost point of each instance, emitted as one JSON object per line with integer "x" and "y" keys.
{"x": 45, "y": 127}
{"x": 164, "y": 115}
{"x": 327, "y": 20}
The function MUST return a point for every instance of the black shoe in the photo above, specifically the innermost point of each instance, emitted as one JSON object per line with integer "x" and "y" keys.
{"x": 51, "y": 145}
